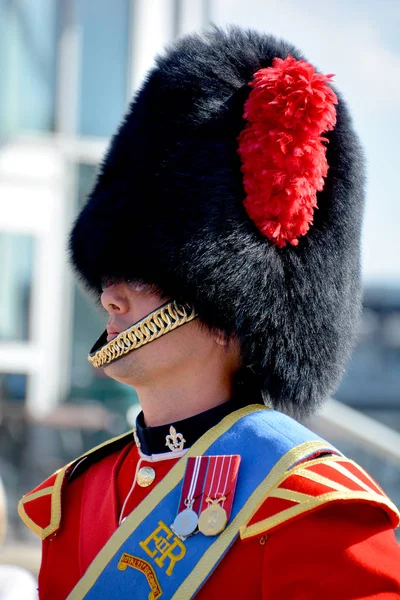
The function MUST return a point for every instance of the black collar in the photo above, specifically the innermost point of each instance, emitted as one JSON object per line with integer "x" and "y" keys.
{"x": 153, "y": 439}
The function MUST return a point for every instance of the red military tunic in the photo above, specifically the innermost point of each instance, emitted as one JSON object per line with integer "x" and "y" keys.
{"x": 344, "y": 549}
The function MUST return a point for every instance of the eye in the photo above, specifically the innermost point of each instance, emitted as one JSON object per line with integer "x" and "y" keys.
{"x": 106, "y": 282}
{"x": 140, "y": 286}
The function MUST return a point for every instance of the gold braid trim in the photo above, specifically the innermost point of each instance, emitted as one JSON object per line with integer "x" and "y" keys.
{"x": 156, "y": 324}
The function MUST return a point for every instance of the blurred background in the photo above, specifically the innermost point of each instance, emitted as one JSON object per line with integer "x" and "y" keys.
{"x": 68, "y": 69}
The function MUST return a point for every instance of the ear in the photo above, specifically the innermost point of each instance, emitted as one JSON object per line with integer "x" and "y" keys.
{"x": 220, "y": 338}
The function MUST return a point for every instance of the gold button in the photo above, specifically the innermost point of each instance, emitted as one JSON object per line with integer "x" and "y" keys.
{"x": 146, "y": 476}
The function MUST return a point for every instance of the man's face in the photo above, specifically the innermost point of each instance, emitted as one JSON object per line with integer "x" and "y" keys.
{"x": 176, "y": 353}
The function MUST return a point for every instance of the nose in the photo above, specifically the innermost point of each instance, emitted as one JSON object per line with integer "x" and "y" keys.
{"x": 115, "y": 300}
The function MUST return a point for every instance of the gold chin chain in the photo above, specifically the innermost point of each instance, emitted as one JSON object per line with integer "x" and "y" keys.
{"x": 156, "y": 324}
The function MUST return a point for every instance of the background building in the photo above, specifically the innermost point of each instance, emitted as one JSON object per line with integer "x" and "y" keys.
{"x": 68, "y": 69}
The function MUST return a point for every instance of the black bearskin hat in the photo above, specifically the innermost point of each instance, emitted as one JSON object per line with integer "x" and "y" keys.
{"x": 169, "y": 208}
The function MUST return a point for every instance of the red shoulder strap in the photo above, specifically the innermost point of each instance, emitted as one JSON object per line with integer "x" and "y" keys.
{"x": 309, "y": 486}
{"x": 41, "y": 508}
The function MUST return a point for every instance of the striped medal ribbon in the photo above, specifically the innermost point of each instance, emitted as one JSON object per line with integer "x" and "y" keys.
{"x": 185, "y": 522}
{"x": 218, "y": 494}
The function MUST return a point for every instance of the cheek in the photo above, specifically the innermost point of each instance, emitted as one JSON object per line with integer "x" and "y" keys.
{"x": 141, "y": 307}
{"x": 141, "y": 301}
{"x": 182, "y": 346}
{"x": 178, "y": 345}
{"x": 184, "y": 343}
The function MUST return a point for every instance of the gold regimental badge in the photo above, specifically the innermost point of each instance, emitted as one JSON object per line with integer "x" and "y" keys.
{"x": 174, "y": 441}
{"x": 213, "y": 519}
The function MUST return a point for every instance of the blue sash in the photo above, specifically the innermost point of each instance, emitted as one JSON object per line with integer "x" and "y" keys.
{"x": 144, "y": 559}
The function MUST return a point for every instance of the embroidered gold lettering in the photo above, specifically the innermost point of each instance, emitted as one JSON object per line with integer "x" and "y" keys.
{"x": 161, "y": 545}
{"x": 128, "y": 560}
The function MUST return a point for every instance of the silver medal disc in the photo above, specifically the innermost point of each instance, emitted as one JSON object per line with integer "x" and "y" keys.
{"x": 185, "y": 523}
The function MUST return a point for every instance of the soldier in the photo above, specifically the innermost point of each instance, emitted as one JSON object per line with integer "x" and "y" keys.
{"x": 223, "y": 237}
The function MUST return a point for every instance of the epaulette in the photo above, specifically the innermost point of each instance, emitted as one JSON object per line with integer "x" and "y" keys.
{"x": 312, "y": 485}
{"x": 40, "y": 509}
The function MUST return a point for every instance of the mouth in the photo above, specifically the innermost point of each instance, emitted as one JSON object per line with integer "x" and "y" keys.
{"x": 159, "y": 322}
{"x": 112, "y": 335}
{"x": 112, "y": 330}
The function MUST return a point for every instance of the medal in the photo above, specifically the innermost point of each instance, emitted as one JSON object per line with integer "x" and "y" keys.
{"x": 207, "y": 490}
{"x": 185, "y": 522}
{"x": 213, "y": 519}
{"x": 218, "y": 494}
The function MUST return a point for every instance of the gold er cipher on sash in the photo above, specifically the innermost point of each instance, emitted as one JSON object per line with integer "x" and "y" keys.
{"x": 156, "y": 324}
{"x": 162, "y": 545}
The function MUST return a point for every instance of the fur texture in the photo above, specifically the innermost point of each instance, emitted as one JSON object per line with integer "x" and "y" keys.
{"x": 167, "y": 208}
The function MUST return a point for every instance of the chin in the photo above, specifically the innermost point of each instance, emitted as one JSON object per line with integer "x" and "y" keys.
{"x": 121, "y": 370}
{"x": 126, "y": 369}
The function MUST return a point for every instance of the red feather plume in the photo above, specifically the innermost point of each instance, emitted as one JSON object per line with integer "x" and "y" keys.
{"x": 281, "y": 147}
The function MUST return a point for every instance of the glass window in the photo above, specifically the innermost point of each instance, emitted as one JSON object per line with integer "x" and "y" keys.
{"x": 13, "y": 387}
{"x": 104, "y": 28}
{"x": 28, "y": 35}
{"x": 16, "y": 261}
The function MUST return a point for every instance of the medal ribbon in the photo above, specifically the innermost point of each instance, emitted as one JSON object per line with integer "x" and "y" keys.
{"x": 221, "y": 481}
{"x": 193, "y": 483}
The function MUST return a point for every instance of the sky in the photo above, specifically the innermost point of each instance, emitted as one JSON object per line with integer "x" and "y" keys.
{"x": 358, "y": 41}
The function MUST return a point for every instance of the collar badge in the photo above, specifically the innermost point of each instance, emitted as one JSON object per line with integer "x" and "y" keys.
{"x": 174, "y": 441}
